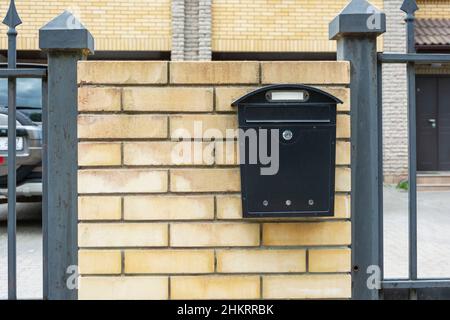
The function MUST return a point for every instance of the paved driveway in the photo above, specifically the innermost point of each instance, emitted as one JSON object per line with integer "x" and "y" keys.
{"x": 434, "y": 241}
{"x": 29, "y": 249}
{"x": 433, "y": 233}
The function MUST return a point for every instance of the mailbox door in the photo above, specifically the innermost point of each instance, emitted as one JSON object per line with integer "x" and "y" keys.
{"x": 304, "y": 183}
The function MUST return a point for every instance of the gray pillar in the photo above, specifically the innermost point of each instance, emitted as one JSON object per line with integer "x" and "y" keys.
{"x": 66, "y": 41}
{"x": 356, "y": 30}
{"x": 177, "y": 30}
{"x": 191, "y": 30}
{"x": 205, "y": 30}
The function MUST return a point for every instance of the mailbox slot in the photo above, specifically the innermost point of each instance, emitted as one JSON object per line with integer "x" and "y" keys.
{"x": 305, "y": 134}
{"x": 287, "y": 113}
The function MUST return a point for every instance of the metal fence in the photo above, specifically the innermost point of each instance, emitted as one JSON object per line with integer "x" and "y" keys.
{"x": 410, "y": 59}
{"x": 12, "y": 73}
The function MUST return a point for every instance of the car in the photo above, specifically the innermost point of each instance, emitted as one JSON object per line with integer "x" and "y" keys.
{"x": 29, "y": 139}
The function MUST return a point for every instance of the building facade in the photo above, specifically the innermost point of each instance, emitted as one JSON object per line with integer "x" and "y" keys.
{"x": 191, "y": 25}
{"x": 266, "y": 30}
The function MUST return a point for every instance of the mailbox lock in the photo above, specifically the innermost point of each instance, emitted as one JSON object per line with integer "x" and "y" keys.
{"x": 265, "y": 203}
{"x": 288, "y": 203}
{"x": 288, "y": 135}
{"x": 311, "y": 202}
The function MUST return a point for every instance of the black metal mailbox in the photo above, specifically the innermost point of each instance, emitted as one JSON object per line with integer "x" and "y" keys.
{"x": 287, "y": 144}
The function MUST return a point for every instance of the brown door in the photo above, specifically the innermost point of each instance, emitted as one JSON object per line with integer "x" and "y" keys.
{"x": 433, "y": 123}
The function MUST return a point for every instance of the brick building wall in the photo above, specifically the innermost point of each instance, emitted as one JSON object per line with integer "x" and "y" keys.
{"x": 275, "y": 25}
{"x": 152, "y": 228}
{"x": 433, "y": 9}
{"x": 141, "y": 25}
{"x": 157, "y": 25}
{"x": 427, "y": 69}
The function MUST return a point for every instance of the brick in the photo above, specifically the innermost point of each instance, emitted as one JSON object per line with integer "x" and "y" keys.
{"x": 341, "y": 93}
{"x": 169, "y": 207}
{"x": 227, "y": 153}
{"x": 99, "y": 208}
{"x": 214, "y": 234}
{"x": 343, "y": 180}
{"x": 343, "y": 126}
{"x": 307, "y": 287}
{"x": 217, "y": 72}
{"x": 307, "y": 234}
{"x": 342, "y": 206}
{"x": 92, "y": 235}
{"x": 203, "y": 127}
{"x": 261, "y": 261}
{"x": 329, "y": 260}
{"x": 99, "y": 99}
{"x": 122, "y": 72}
{"x": 215, "y": 287}
{"x": 99, "y": 154}
{"x": 169, "y": 261}
{"x": 166, "y": 99}
{"x": 100, "y": 261}
{"x": 122, "y": 181}
{"x": 123, "y": 288}
{"x": 225, "y": 96}
{"x": 205, "y": 180}
{"x": 122, "y": 126}
{"x": 229, "y": 207}
{"x": 343, "y": 153}
{"x": 165, "y": 153}
{"x": 313, "y": 72}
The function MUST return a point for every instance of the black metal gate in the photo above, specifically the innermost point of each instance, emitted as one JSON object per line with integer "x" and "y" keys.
{"x": 413, "y": 283}
{"x": 12, "y": 73}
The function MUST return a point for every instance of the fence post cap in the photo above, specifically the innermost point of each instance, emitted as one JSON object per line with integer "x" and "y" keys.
{"x": 66, "y": 32}
{"x": 358, "y": 18}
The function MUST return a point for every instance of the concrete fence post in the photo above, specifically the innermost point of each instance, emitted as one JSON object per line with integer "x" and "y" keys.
{"x": 356, "y": 30}
{"x": 66, "y": 41}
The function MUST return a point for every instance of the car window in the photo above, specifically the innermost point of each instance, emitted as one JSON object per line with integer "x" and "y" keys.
{"x": 29, "y": 93}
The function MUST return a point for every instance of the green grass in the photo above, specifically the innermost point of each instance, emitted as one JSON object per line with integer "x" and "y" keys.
{"x": 403, "y": 185}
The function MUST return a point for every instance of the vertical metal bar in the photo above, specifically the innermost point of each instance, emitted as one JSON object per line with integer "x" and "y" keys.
{"x": 61, "y": 173}
{"x": 412, "y": 174}
{"x": 65, "y": 46}
{"x": 45, "y": 266}
{"x": 380, "y": 171}
{"x": 412, "y": 153}
{"x": 410, "y": 7}
{"x": 361, "y": 52}
{"x": 12, "y": 259}
{"x": 12, "y": 20}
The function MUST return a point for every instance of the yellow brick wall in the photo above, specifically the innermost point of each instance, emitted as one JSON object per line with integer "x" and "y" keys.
{"x": 139, "y": 25}
{"x": 433, "y": 9}
{"x": 427, "y": 69}
{"x": 115, "y": 24}
{"x": 275, "y": 25}
{"x": 152, "y": 228}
